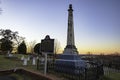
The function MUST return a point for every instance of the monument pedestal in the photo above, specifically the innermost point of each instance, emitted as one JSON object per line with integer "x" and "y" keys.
{"x": 71, "y": 60}
{"x": 70, "y": 63}
{"x": 70, "y": 49}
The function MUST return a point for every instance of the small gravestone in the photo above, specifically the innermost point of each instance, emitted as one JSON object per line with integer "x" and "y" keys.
{"x": 28, "y": 58}
{"x": 37, "y": 57}
{"x": 9, "y": 54}
{"x": 42, "y": 60}
{"x": 34, "y": 61}
{"x": 25, "y": 62}
{"x": 22, "y": 58}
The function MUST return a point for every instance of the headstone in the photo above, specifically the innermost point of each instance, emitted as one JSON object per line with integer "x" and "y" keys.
{"x": 9, "y": 54}
{"x": 28, "y": 58}
{"x": 38, "y": 62}
{"x": 42, "y": 60}
{"x": 22, "y": 58}
{"x": 37, "y": 57}
{"x": 34, "y": 61}
{"x": 25, "y": 62}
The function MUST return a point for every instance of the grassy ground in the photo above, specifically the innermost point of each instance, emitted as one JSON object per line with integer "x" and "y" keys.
{"x": 13, "y": 63}
{"x": 6, "y": 63}
{"x": 113, "y": 76}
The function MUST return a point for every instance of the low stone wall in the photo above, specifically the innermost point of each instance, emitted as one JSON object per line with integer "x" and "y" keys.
{"x": 28, "y": 73}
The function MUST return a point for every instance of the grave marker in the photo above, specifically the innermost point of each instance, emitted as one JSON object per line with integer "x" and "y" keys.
{"x": 25, "y": 62}
{"x": 22, "y": 58}
{"x": 34, "y": 61}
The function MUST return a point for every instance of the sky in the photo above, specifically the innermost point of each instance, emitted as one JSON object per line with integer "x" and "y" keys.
{"x": 96, "y": 22}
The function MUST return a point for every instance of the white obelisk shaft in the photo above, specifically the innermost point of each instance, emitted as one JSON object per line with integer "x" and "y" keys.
{"x": 70, "y": 47}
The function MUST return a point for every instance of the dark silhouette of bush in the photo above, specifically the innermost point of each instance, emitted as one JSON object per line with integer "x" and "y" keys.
{"x": 37, "y": 48}
{"x": 6, "y": 45}
{"x": 9, "y": 39}
{"x": 22, "y": 48}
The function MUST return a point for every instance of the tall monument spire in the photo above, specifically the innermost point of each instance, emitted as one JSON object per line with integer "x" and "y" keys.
{"x": 70, "y": 56}
{"x": 70, "y": 47}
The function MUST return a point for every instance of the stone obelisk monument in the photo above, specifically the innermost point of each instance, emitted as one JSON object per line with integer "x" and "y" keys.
{"x": 70, "y": 56}
{"x": 70, "y": 47}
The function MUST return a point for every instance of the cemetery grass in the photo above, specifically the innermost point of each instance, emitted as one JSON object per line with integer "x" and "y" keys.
{"x": 20, "y": 76}
{"x": 113, "y": 76}
{"x": 6, "y": 63}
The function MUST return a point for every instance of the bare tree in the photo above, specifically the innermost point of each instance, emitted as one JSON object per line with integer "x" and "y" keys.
{"x": 56, "y": 46}
{"x": 31, "y": 45}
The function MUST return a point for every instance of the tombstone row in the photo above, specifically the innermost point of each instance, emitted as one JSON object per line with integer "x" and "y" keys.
{"x": 25, "y": 60}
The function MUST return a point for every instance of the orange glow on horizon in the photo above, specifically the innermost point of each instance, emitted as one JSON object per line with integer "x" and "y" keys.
{"x": 94, "y": 50}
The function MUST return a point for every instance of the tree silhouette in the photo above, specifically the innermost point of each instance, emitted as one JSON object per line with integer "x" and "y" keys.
{"x": 22, "y": 48}
{"x": 6, "y": 45}
{"x": 37, "y": 48}
{"x": 9, "y": 39}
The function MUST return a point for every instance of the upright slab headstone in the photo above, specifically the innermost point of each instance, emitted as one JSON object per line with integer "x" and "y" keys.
{"x": 25, "y": 61}
{"x": 22, "y": 58}
{"x": 34, "y": 61}
{"x": 9, "y": 54}
{"x": 42, "y": 60}
{"x": 28, "y": 58}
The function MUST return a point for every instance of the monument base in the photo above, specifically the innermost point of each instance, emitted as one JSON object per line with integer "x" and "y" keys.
{"x": 70, "y": 63}
{"x": 70, "y": 49}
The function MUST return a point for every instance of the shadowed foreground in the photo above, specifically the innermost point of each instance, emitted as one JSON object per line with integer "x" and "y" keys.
{"x": 7, "y": 78}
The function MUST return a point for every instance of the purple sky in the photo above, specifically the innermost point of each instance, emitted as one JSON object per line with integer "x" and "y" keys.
{"x": 96, "y": 22}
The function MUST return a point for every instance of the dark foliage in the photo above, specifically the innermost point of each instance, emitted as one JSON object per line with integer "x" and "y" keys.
{"x": 22, "y": 48}
{"x": 9, "y": 39}
{"x": 6, "y": 45}
{"x": 6, "y": 39}
{"x": 37, "y": 48}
